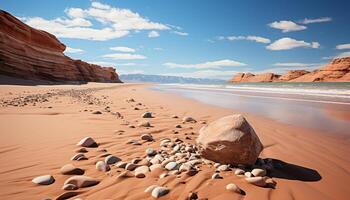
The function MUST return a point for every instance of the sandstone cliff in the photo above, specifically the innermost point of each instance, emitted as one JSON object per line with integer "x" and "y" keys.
{"x": 33, "y": 54}
{"x": 336, "y": 71}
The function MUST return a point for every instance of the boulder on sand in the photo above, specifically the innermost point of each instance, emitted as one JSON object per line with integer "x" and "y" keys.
{"x": 229, "y": 140}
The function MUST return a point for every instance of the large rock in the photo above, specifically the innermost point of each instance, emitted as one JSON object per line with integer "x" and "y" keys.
{"x": 229, "y": 140}
{"x": 33, "y": 54}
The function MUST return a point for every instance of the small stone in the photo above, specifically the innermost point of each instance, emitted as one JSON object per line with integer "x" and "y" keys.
{"x": 259, "y": 172}
{"x": 140, "y": 172}
{"x": 82, "y": 150}
{"x": 248, "y": 174}
{"x": 149, "y": 189}
{"x": 234, "y": 188}
{"x": 70, "y": 169}
{"x": 87, "y": 142}
{"x": 216, "y": 176}
{"x": 155, "y": 166}
{"x": 150, "y": 152}
{"x": 79, "y": 156}
{"x": 159, "y": 191}
{"x": 97, "y": 112}
{"x": 131, "y": 126}
{"x": 178, "y": 126}
{"x": 188, "y": 119}
{"x": 144, "y": 124}
{"x": 147, "y": 137}
{"x": 258, "y": 181}
{"x": 69, "y": 187}
{"x": 102, "y": 166}
{"x": 121, "y": 164}
{"x": 191, "y": 172}
{"x": 147, "y": 115}
{"x": 133, "y": 142}
{"x": 81, "y": 181}
{"x": 223, "y": 168}
{"x": 192, "y": 196}
{"x": 130, "y": 166}
{"x": 171, "y": 166}
{"x": 174, "y": 116}
{"x": 112, "y": 159}
{"x": 43, "y": 180}
{"x": 239, "y": 172}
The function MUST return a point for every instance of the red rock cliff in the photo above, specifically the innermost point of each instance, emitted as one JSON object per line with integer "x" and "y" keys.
{"x": 336, "y": 71}
{"x": 33, "y": 54}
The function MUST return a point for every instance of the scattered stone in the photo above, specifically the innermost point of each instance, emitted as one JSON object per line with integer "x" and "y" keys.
{"x": 131, "y": 166}
{"x": 248, "y": 174}
{"x": 121, "y": 164}
{"x": 229, "y": 140}
{"x": 171, "y": 166}
{"x": 43, "y": 180}
{"x": 81, "y": 181}
{"x": 192, "y": 196}
{"x": 87, "y": 142}
{"x": 150, "y": 188}
{"x": 159, "y": 191}
{"x": 216, "y": 176}
{"x": 70, "y": 169}
{"x": 178, "y": 126}
{"x": 82, "y": 150}
{"x": 131, "y": 126}
{"x": 174, "y": 116}
{"x": 112, "y": 159}
{"x": 97, "y": 112}
{"x": 234, "y": 188}
{"x": 155, "y": 166}
{"x": 147, "y": 137}
{"x": 140, "y": 172}
{"x": 130, "y": 100}
{"x": 189, "y": 119}
{"x": 79, "y": 156}
{"x": 133, "y": 142}
{"x": 191, "y": 172}
{"x": 147, "y": 115}
{"x": 223, "y": 168}
{"x": 102, "y": 166}
{"x": 69, "y": 187}
{"x": 151, "y": 152}
{"x": 259, "y": 172}
{"x": 239, "y": 172}
{"x": 258, "y": 181}
{"x": 144, "y": 124}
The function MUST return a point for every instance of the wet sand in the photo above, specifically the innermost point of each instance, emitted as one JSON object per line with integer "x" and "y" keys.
{"x": 38, "y": 140}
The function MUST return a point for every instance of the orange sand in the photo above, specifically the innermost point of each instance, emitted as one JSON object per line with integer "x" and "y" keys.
{"x": 36, "y": 140}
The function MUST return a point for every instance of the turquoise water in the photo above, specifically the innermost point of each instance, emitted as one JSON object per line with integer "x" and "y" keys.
{"x": 322, "y": 106}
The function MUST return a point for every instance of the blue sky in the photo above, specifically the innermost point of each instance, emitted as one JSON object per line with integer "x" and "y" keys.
{"x": 194, "y": 38}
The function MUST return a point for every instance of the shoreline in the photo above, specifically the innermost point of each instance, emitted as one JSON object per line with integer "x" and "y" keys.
{"x": 310, "y": 152}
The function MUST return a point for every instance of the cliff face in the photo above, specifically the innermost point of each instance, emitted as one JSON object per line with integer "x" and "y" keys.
{"x": 33, "y": 54}
{"x": 336, "y": 71}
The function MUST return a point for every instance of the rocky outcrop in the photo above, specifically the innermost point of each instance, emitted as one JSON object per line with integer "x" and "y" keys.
{"x": 28, "y": 53}
{"x": 336, "y": 71}
{"x": 229, "y": 140}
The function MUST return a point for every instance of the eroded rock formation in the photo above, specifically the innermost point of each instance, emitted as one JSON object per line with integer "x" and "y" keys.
{"x": 33, "y": 54}
{"x": 336, "y": 71}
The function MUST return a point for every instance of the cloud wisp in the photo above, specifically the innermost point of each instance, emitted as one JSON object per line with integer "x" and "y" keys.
{"x": 124, "y": 56}
{"x": 343, "y": 46}
{"x": 207, "y": 65}
{"x": 316, "y": 20}
{"x": 253, "y": 38}
{"x": 73, "y": 50}
{"x": 287, "y": 43}
{"x": 123, "y": 49}
{"x": 286, "y": 26}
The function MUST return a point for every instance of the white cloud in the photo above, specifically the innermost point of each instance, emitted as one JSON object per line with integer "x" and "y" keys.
{"x": 295, "y": 64}
{"x": 317, "y": 20}
{"x": 158, "y": 49}
{"x": 344, "y": 54}
{"x": 123, "y": 49}
{"x": 73, "y": 50}
{"x": 207, "y": 65}
{"x": 130, "y": 72}
{"x": 124, "y": 56}
{"x": 290, "y": 43}
{"x": 180, "y": 33}
{"x": 116, "y": 23}
{"x": 214, "y": 74}
{"x": 343, "y": 46}
{"x": 249, "y": 37}
{"x": 287, "y": 26}
{"x": 102, "y": 63}
{"x": 153, "y": 34}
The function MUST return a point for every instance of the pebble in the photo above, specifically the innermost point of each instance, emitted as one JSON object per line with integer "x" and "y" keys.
{"x": 216, "y": 176}
{"x": 87, "y": 142}
{"x": 82, "y": 150}
{"x": 112, "y": 159}
{"x": 174, "y": 116}
{"x": 178, "y": 126}
{"x": 133, "y": 142}
{"x": 248, "y": 174}
{"x": 233, "y": 187}
{"x": 43, "y": 180}
{"x": 70, "y": 169}
{"x": 130, "y": 166}
{"x": 144, "y": 124}
{"x": 147, "y": 115}
{"x": 147, "y": 137}
{"x": 159, "y": 191}
{"x": 155, "y": 166}
{"x": 81, "y": 181}
{"x": 192, "y": 196}
{"x": 188, "y": 119}
{"x": 223, "y": 168}
{"x": 69, "y": 187}
{"x": 140, "y": 172}
{"x": 259, "y": 172}
{"x": 149, "y": 189}
{"x": 102, "y": 166}
{"x": 79, "y": 156}
{"x": 121, "y": 164}
{"x": 239, "y": 172}
{"x": 97, "y": 112}
{"x": 150, "y": 152}
{"x": 171, "y": 166}
{"x": 258, "y": 181}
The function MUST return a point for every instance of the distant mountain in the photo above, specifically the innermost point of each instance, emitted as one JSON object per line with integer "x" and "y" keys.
{"x": 167, "y": 79}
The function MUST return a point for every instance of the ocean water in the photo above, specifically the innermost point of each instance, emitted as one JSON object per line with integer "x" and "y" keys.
{"x": 322, "y": 106}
